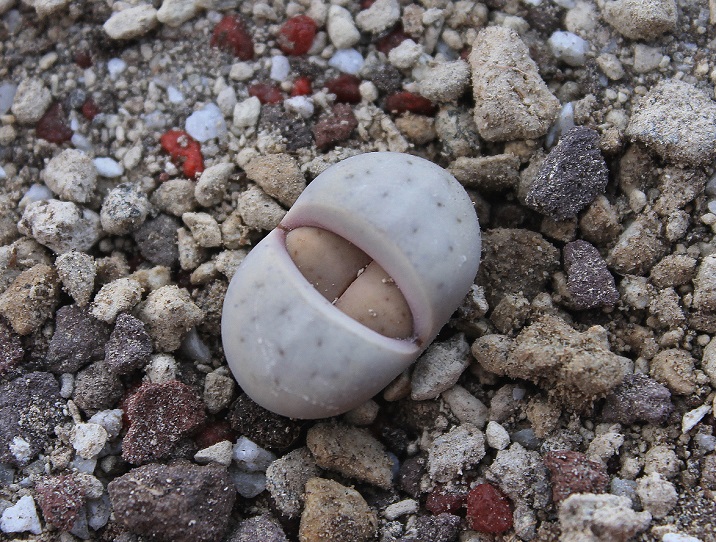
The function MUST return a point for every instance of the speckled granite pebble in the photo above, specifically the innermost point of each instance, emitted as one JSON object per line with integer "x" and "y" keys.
{"x": 179, "y": 502}
{"x": 589, "y": 282}
{"x": 159, "y": 416}
{"x": 129, "y": 346}
{"x": 30, "y": 407}
{"x": 572, "y": 175}
{"x": 78, "y": 339}
{"x": 335, "y": 512}
{"x": 351, "y": 451}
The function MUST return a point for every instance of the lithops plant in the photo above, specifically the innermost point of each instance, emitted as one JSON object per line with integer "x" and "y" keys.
{"x": 355, "y": 282}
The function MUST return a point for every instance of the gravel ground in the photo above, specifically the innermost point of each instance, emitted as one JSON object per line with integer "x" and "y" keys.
{"x": 146, "y": 147}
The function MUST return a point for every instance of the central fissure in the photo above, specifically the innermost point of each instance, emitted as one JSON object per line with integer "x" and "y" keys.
{"x": 347, "y": 277}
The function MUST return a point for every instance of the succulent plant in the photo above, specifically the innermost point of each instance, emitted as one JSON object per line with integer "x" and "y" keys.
{"x": 355, "y": 282}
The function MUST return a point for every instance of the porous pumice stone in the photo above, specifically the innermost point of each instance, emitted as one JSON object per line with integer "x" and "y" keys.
{"x": 384, "y": 225}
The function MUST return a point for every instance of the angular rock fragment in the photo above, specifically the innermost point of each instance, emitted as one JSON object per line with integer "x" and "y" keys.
{"x": 31, "y": 298}
{"x": 179, "y": 502}
{"x": 677, "y": 121}
{"x": 511, "y": 99}
{"x": 78, "y": 339}
{"x": 515, "y": 260}
{"x": 571, "y": 472}
{"x": 160, "y": 415}
{"x": 335, "y": 512}
{"x": 638, "y": 398}
{"x": 589, "y": 282}
{"x": 641, "y": 19}
{"x": 639, "y": 246}
{"x": 600, "y": 518}
{"x": 574, "y": 367}
{"x": 97, "y": 388}
{"x": 61, "y": 226}
{"x": 30, "y": 407}
{"x": 351, "y": 451}
{"x": 572, "y": 175}
{"x": 129, "y": 346}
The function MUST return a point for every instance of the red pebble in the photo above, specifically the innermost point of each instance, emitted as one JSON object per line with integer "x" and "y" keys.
{"x": 296, "y": 35}
{"x": 90, "y": 109}
{"x": 83, "y": 59}
{"x": 441, "y": 500}
{"x": 403, "y": 101}
{"x": 267, "y": 94}
{"x": 182, "y": 147}
{"x": 160, "y": 415}
{"x": 301, "y": 87}
{"x": 572, "y": 472}
{"x": 230, "y": 35}
{"x": 365, "y": 4}
{"x": 61, "y": 499}
{"x": 391, "y": 40}
{"x": 214, "y": 433}
{"x": 488, "y": 510}
{"x": 345, "y": 87}
{"x": 52, "y": 126}
{"x": 334, "y": 127}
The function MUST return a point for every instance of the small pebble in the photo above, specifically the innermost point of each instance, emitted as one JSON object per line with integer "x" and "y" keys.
{"x": 206, "y": 123}
{"x": 61, "y": 226}
{"x": 174, "y": 94}
{"x": 219, "y": 453}
{"x": 168, "y": 503}
{"x": 684, "y": 134}
{"x": 71, "y": 175}
{"x": 78, "y": 339}
{"x": 439, "y": 368}
{"x": 589, "y": 282}
{"x": 488, "y": 510}
{"x": 251, "y": 458}
{"x": 108, "y": 167}
{"x": 280, "y": 68}
{"x": 88, "y": 439}
{"x": 496, "y": 436}
{"x": 571, "y": 472}
{"x": 21, "y": 517}
{"x": 336, "y": 512}
{"x": 131, "y": 22}
{"x": 31, "y": 100}
{"x": 454, "y": 452}
{"x": 160, "y": 415}
{"x": 351, "y": 451}
{"x": 115, "y": 67}
{"x": 263, "y": 528}
{"x": 569, "y": 48}
{"x": 347, "y": 61}
{"x": 693, "y": 417}
{"x": 7, "y": 94}
{"x": 111, "y": 420}
{"x": 116, "y": 297}
{"x": 129, "y": 346}
{"x": 572, "y": 175}
{"x": 286, "y": 478}
{"x": 658, "y": 496}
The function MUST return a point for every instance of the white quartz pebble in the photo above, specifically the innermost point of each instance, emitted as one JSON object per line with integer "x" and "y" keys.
{"x": 569, "y": 48}
{"x": 21, "y": 517}
{"x": 280, "y": 68}
{"x": 108, "y": 167}
{"x": 207, "y": 123}
{"x": 347, "y": 61}
{"x": 115, "y": 66}
{"x": 250, "y": 457}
